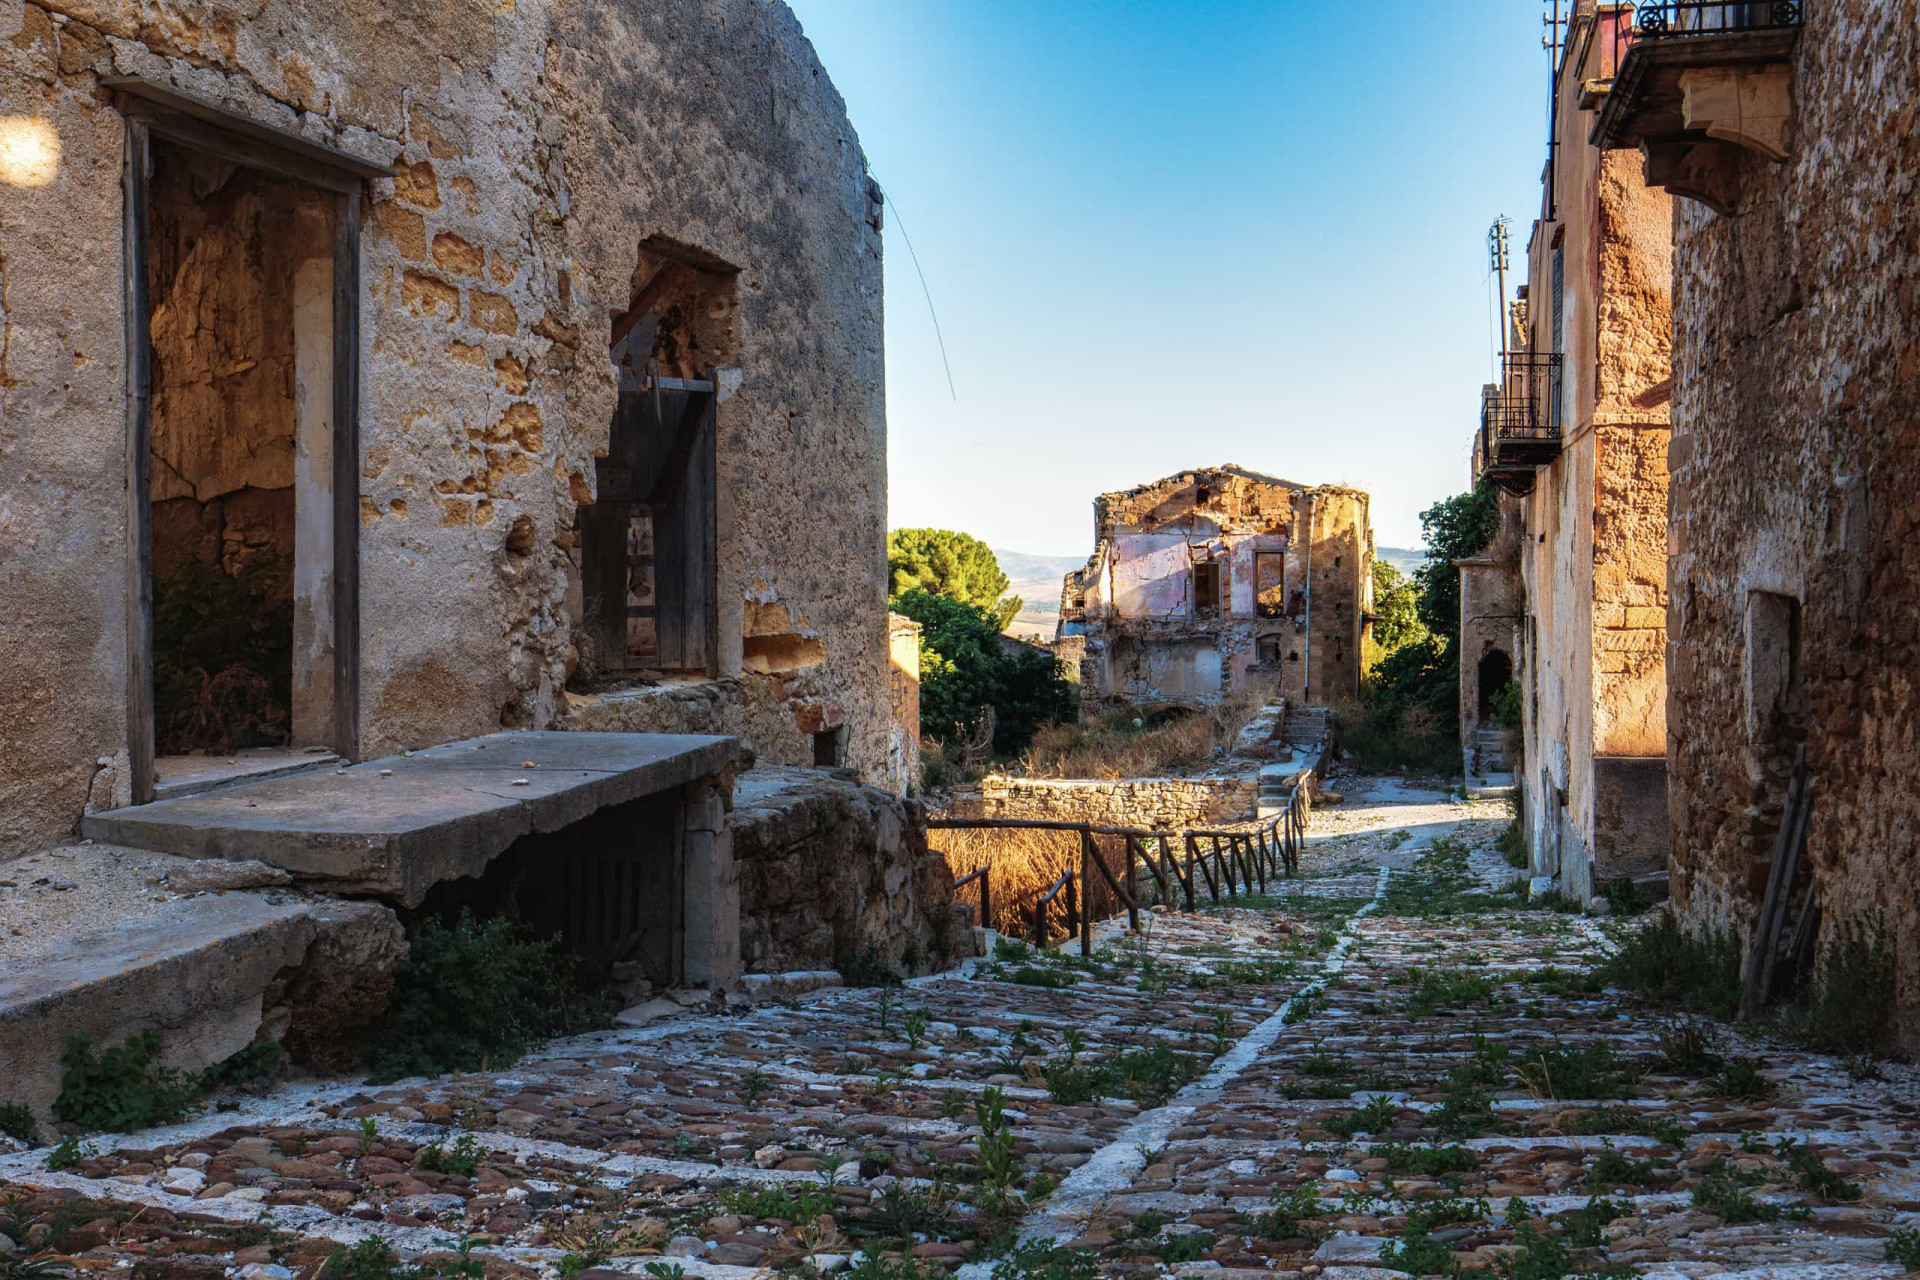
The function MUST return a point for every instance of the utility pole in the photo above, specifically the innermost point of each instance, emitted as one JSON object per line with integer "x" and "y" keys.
{"x": 1497, "y": 259}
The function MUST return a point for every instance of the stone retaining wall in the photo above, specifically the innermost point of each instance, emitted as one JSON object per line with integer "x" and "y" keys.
{"x": 1161, "y": 803}
{"x": 830, "y": 871}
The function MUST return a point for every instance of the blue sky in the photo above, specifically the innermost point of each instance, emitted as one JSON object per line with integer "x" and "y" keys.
{"x": 1171, "y": 235}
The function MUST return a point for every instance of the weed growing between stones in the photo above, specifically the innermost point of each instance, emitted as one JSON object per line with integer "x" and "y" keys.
{"x": 1664, "y": 964}
{"x": 1448, "y": 989}
{"x": 1612, "y": 1170}
{"x": 1848, "y": 1008}
{"x": 1376, "y": 1117}
{"x": 1723, "y": 1192}
{"x": 1811, "y": 1172}
{"x": 865, "y": 970}
{"x": 1427, "y": 1162}
{"x": 1149, "y": 1076}
{"x": 1903, "y": 1248}
{"x": 1289, "y": 1215}
{"x": 1512, "y": 845}
{"x": 374, "y": 1259}
{"x": 1740, "y": 1078}
{"x": 126, "y": 1088}
{"x": 1590, "y": 1071}
{"x": 480, "y": 994}
{"x": 17, "y": 1123}
{"x": 462, "y": 1160}
{"x": 1045, "y": 1260}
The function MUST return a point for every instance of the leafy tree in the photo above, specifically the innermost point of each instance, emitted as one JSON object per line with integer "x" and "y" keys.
{"x": 965, "y": 666}
{"x": 1396, "y": 608}
{"x": 1454, "y": 528}
{"x": 946, "y": 563}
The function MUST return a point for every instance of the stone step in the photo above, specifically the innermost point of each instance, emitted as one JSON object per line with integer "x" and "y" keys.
{"x": 193, "y": 967}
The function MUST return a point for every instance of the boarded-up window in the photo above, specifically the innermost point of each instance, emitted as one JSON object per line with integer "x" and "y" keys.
{"x": 1206, "y": 589}
{"x": 1270, "y": 583}
{"x": 649, "y": 540}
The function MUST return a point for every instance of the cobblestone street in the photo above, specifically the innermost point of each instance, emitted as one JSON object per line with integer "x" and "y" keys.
{"x": 1387, "y": 1064}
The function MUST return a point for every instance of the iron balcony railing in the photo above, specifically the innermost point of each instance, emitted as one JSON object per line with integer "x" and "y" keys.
{"x": 1525, "y": 404}
{"x": 1671, "y": 18}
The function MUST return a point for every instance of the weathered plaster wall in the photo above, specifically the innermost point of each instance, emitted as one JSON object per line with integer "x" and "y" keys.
{"x": 1134, "y": 604}
{"x": 1795, "y": 434}
{"x": 1591, "y": 566}
{"x": 903, "y": 687}
{"x": 538, "y": 146}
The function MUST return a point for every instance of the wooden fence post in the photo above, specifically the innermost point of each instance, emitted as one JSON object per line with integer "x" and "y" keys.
{"x": 1133, "y": 889}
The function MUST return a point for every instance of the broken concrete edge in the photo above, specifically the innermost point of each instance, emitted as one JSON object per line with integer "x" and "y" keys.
{"x": 396, "y": 826}
{"x": 236, "y": 971}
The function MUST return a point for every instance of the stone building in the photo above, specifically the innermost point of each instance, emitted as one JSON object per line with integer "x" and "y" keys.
{"x": 1218, "y": 580}
{"x": 1575, "y": 434}
{"x": 1796, "y": 412}
{"x": 369, "y": 383}
{"x": 1488, "y": 641}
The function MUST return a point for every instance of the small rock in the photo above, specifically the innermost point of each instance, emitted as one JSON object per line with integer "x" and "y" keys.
{"x": 686, "y": 1247}
{"x": 218, "y": 875}
{"x": 768, "y": 1157}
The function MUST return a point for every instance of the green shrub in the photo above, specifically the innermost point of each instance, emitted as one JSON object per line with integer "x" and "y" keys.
{"x": 462, "y": 1160}
{"x": 123, "y": 1089}
{"x": 1740, "y": 1078}
{"x": 17, "y": 1123}
{"x": 1848, "y": 1008}
{"x": 1290, "y": 1214}
{"x": 1903, "y": 1247}
{"x": 1512, "y": 845}
{"x": 1590, "y": 1071}
{"x": 1426, "y": 1162}
{"x": 478, "y": 995}
{"x": 1665, "y": 964}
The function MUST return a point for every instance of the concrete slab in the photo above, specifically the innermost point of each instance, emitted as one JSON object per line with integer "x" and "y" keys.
{"x": 193, "y": 969}
{"x": 175, "y": 776}
{"x": 396, "y": 826}
{"x": 1489, "y": 786}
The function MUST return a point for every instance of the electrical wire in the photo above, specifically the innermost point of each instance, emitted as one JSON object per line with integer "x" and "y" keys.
{"x": 938, "y": 337}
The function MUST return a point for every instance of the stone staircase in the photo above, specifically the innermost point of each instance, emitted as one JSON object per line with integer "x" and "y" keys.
{"x": 1304, "y": 730}
{"x": 1489, "y": 750}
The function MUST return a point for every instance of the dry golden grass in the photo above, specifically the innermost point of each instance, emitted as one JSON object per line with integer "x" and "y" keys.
{"x": 1025, "y": 864}
{"x": 1110, "y": 748}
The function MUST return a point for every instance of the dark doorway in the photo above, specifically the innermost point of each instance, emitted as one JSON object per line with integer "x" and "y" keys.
{"x": 1206, "y": 589}
{"x": 1496, "y": 673}
{"x": 242, "y": 298}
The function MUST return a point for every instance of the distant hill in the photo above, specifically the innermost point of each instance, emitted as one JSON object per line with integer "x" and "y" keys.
{"x": 1036, "y": 580}
{"x": 1022, "y": 567}
{"x": 1405, "y": 559}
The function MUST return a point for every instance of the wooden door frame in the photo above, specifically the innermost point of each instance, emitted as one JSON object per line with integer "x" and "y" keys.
{"x": 153, "y": 110}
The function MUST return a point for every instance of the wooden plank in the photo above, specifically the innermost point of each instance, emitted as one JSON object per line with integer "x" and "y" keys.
{"x": 139, "y": 394}
{"x": 234, "y": 148}
{"x": 1193, "y": 856}
{"x": 346, "y": 475}
{"x": 647, "y": 298}
{"x": 1780, "y": 877}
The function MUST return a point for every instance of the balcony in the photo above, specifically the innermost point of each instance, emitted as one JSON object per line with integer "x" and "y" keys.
{"x": 1519, "y": 422}
{"x": 1699, "y": 83}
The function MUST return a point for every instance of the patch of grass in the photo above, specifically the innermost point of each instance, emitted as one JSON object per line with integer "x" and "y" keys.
{"x": 1664, "y": 964}
{"x": 1446, "y": 989}
{"x": 1590, "y": 1071}
{"x": 1512, "y": 845}
{"x": 1611, "y": 1169}
{"x": 1376, "y": 1117}
{"x": 1688, "y": 1047}
{"x": 1045, "y": 1260}
{"x": 1028, "y": 975}
{"x": 1289, "y": 1215}
{"x": 1438, "y": 886}
{"x": 866, "y": 969}
{"x": 461, "y": 1160}
{"x": 1740, "y": 1078}
{"x": 803, "y": 1203}
{"x": 1187, "y": 1246}
{"x": 1429, "y": 1162}
{"x": 1584, "y": 1224}
{"x": 480, "y": 994}
{"x": 68, "y": 1152}
{"x": 1723, "y": 1191}
{"x": 1811, "y": 1172}
{"x": 1848, "y": 1008}
{"x": 1622, "y": 897}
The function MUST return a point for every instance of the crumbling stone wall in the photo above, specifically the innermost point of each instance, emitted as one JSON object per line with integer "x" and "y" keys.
{"x": 1796, "y": 420}
{"x": 537, "y": 146}
{"x": 1140, "y": 631}
{"x": 903, "y": 686}
{"x": 831, "y": 871}
{"x": 1162, "y": 804}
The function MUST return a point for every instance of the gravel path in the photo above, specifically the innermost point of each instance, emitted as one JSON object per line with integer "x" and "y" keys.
{"x": 1285, "y": 1086}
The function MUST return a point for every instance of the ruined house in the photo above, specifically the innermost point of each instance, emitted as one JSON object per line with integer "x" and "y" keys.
{"x": 370, "y": 382}
{"x": 1215, "y": 581}
{"x": 500, "y": 362}
{"x": 1792, "y": 151}
{"x": 1575, "y": 434}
